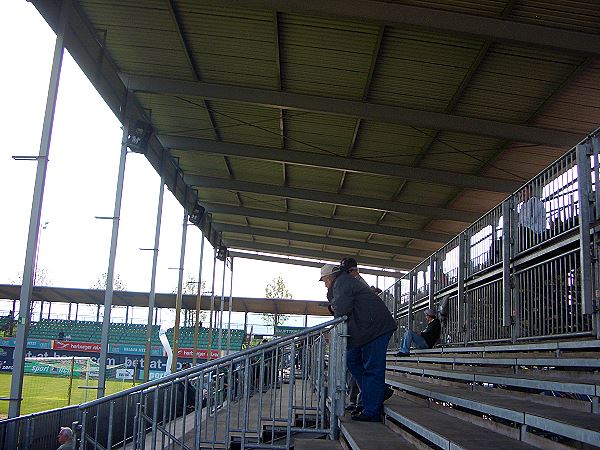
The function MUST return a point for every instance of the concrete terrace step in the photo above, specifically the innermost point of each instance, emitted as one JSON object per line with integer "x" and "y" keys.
{"x": 371, "y": 436}
{"x": 447, "y": 431}
{"x": 530, "y": 381}
{"x": 316, "y": 444}
{"x": 582, "y": 344}
{"x": 580, "y": 426}
{"x": 591, "y": 362}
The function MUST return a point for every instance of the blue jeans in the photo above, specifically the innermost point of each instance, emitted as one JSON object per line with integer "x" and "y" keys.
{"x": 367, "y": 365}
{"x": 410, "y": 338}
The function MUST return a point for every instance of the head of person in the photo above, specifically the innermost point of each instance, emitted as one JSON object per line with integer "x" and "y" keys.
{"x": 350, "y": 266}
{"x": 429, "y": 314}
{"x": 65, "y": 435}
{"x": 329, "y": 273}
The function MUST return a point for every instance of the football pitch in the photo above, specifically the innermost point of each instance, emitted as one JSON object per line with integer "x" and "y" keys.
{"x": 41, "y": 393}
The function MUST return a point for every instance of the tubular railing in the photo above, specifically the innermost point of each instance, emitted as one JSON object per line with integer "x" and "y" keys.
{"x": 258, "y": 398}
{"x": 526, "y": 270}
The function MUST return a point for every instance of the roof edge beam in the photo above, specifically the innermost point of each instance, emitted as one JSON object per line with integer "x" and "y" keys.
{"x": 326, "y": 222}
{"x": 332, "y": 198}
{"x": 337, "y": 162}
{"x": 498, "y": 29}
{"x": 304, "y": 263}
{"x": 322, "y": 240}
{"x": 358, "y": 109}
{"x": 316, "y": 254}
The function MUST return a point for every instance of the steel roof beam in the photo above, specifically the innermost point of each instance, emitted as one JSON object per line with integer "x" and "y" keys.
{"x": 305, "y": 263}
{"x": 332, "y": 198}
{"x": 315, "y": 254}
{"x": 352, "y": 108}
{"x": 322, "y": 240}
{"x": 327, "y": 222}
{"x": 498, "y": 29}
{"x": 338, "y": 162}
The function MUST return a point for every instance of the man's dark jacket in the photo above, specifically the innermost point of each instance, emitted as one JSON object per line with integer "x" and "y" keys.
{"x": 368, "y": 317}
{"x": 431, "y": 333}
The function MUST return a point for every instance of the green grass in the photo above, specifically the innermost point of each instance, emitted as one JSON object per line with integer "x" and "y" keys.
{"x": 41, "y": 393}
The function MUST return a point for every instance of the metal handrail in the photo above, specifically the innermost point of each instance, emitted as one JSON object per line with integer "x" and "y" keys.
{"x": 208, "y": 364}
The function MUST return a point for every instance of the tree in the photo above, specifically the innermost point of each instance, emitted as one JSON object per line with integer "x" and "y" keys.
{"x": 190, "y": 287}
{"x": 100, "y": 283}
{"x": 276, "y": 289}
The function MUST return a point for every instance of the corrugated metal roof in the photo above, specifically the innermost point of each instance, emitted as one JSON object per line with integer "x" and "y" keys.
{"x": 333, "y": 58}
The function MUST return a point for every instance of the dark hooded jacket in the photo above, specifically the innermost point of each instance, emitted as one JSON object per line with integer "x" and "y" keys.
{"x": 368, "y": 317}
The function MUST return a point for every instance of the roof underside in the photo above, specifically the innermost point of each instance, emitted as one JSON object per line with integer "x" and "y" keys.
{"x": 366, "y": 128}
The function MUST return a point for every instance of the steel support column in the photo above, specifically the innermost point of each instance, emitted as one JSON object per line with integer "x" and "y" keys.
{"x": 462, "y": 310}
{"x": 198, "y": 300}
{"x": 506, "y": 282}
{"x": 108, "y": 293}
{"x": 230, "y": 307}
{"x": 152, "y": 296}
{"x": 432, "y": 262}
{"x": 411, "y": 299}
{"x": 212, "y": 306}
{"x": 596, "y": 267}
{"x": 222, "y": 308}
{"x": 178, "y": 299}
{"x": 584, "y": 183}
{"x": 16, "y": 385}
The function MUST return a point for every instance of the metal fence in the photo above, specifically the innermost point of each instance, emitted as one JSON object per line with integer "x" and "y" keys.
{"x": 37, "y": 431}
{"x": 526, "y": 270}
{"x": 257, "y": 398}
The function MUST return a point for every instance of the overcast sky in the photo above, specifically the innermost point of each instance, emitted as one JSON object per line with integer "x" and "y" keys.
{"x": 81, "y": 179}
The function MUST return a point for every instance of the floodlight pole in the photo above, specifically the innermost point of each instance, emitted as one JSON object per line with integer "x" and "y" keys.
{"x": 152, "y": 296}
{"x": 16, "y": 384}
{"x": 178, "y": 299}
{"x": 198, "y": 300}
{"x": 108, "y": 293}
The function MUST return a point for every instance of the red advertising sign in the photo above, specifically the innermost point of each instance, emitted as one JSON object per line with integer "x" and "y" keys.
{"x": 200, "y": 353}
{"x": 71, "y": 346}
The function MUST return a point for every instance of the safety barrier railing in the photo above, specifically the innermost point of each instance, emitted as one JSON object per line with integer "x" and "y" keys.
{"x": 37, "y": 431}
{"x": 526, "y": 270}
{"x": 258, "y": 398}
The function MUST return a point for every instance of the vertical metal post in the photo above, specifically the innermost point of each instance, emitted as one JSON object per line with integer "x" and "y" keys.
{"x": 230, "y": 307}
{"x": 198, "y": 300}
{"x": 108, "y": 293}
{"x": 212, "y": 306}
{"x": 16, "y": 384}
{"x": 178, "y": 299}
{"x": 411, "y": 297}
{"x": 584, "y": 188}
{"x": 222, "y": 308}
{"x": 596, "y": 265}
{"x": 506, "y": 285}
{"x": 432, "y": 262}
{"x": 152, "y": 296}
{"x": 461, "y": 286}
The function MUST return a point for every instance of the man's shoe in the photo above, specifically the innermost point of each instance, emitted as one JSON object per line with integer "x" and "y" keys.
{"x": 358, "y": 410}
{"x": 388, "y": 393}
{"x": 402, "y": 354}
{"x": 351, "y": 408}
{"x": 363, "y": 418}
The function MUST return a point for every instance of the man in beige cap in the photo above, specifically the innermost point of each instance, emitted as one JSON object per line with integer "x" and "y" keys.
{"x": 370, "y": 326}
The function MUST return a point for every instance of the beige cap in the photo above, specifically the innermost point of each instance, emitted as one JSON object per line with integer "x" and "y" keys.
{"x": 328, "y": 269}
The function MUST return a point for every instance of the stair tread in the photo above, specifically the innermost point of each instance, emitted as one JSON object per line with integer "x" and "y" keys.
{"x": 372, "y": 436}
{"x": 316, "y": 444}
{"x": 457, "y": 431}
{"x": 511, "y": 408}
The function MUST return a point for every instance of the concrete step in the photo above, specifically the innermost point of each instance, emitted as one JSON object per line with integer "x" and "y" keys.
{"x": 316, "y": 444}
{"x": 580, "y": 426}
{"x": 371, "y": 436}
{"x": 447, "y": 431}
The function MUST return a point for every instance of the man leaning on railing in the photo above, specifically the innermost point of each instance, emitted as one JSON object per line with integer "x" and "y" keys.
{"x": 370, "y": 327}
